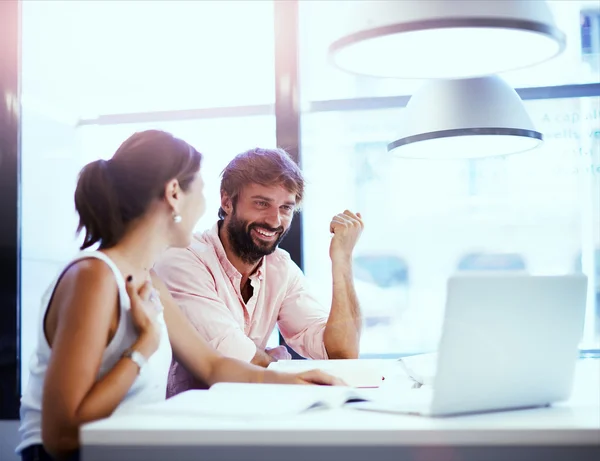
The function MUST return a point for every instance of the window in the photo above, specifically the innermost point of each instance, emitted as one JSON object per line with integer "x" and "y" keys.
{"x": 537, "y": 212}
{"x": 108, "y": 57}
{"x": 426, "y": 220}
{"x": 98, "y": 88}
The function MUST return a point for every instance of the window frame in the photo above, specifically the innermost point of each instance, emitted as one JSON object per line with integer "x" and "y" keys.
{"x": 10, "y": 134}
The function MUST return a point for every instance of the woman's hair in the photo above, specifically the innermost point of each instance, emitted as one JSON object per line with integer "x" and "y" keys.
{"x": 267, "y": 167}
{"x": 112, "y": 193}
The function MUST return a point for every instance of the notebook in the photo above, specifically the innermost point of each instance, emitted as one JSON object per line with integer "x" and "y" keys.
{"x": 509, "y": 341}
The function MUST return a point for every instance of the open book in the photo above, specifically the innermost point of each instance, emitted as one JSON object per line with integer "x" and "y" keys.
{"x": 255, "y": 401}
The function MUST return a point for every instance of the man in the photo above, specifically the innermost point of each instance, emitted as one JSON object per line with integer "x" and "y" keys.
{"x": 235, "y": 285}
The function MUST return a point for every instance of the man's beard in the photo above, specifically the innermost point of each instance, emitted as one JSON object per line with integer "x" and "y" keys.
{"x": 242, "y": 243}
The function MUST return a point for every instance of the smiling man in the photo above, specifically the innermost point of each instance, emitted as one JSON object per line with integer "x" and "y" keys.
{"x": 235, "y": 285}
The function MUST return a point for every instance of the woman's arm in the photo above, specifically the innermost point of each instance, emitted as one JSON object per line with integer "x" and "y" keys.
{"x": 208, "y": 365}
{"x": 82, "y": 309}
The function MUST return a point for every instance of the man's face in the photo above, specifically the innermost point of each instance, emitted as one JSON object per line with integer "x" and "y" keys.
{"x": 259, "y": 220}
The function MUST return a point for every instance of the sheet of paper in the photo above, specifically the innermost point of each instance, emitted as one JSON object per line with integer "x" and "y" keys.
{"x": 421, "y": 367}
{"x": 360, "y": 373}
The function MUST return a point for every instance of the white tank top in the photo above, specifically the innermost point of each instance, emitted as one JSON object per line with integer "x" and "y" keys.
{"x": 150, "y": 386}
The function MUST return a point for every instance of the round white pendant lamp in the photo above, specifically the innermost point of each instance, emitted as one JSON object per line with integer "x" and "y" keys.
{"x": 443, "y": 38}
{"x": 465, "y": 118}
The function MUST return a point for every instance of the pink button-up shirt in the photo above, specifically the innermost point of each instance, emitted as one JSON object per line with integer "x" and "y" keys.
{"x": 207, "y": 288}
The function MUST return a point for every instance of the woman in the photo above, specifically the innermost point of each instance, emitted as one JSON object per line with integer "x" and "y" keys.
{"x": 110, "y": 328}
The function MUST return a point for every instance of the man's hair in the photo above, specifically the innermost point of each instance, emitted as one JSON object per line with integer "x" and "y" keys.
{"x": 267, "y": 167}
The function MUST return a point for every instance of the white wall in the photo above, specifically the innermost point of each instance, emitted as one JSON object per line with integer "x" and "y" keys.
{"x": 9, "y": 438}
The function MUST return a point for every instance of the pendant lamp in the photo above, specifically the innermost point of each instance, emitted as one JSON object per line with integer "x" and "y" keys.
{"x": 465, "y": 118}
{"x": 424, "y": 39}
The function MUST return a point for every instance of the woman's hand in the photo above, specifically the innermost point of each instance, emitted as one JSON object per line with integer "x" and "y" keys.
{"x": 144, "y": 312}
{"x": 310, "y": 377}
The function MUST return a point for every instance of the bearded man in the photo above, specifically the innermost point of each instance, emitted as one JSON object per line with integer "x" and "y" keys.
{"x": 235, "y": 284}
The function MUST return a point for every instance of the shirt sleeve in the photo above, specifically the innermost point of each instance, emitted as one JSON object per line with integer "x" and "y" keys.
{"x": 302, "y": 318}
{"x": 192, "y": 286}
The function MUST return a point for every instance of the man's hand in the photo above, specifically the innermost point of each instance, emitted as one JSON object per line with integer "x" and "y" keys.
{"x": 346, "y": 228}
{"x": 279, "y": 353}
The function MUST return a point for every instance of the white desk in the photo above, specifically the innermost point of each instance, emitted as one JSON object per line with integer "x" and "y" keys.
{"x": 570, "y": 430}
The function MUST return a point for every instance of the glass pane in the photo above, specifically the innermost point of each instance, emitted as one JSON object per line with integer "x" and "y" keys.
{"x": 53, "y": 152}
{"x": 425, "y": 220}
{"x": 134, "y": 56}
{"x": 579, "y": 63}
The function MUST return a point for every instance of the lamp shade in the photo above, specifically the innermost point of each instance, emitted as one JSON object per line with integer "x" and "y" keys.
{"x": 465, "y": 118}
{"x": 443, "y": 38}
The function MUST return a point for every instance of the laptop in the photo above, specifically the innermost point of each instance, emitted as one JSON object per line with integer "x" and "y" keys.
{"x": 509, "y": 341}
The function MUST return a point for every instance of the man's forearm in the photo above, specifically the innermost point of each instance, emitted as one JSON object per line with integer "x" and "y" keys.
{"x": 262, "y": 359}
{"x": 227, "y": 369}
{"x": 342, "y": 332}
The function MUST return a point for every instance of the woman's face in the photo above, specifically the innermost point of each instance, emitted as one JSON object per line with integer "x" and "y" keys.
{"x": 192, "y": 208}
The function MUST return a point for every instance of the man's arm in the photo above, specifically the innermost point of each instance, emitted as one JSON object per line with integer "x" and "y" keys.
{"x": 342, "y": 332}
{"x": 302, "y": 318}
{"x": 271, "y": 354}
{"x": 305, "y": 324}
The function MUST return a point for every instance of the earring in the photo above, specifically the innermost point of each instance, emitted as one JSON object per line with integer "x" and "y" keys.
{"x": 176, "y": 218}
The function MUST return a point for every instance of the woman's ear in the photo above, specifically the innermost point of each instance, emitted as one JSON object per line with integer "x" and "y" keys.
{"x": 173, "y": 193}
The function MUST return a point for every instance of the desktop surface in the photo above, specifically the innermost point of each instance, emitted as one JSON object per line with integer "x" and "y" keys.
{"x": 568, "y": 430}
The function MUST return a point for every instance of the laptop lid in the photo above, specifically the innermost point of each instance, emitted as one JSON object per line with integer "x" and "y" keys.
{"x": 508, "y": 341}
